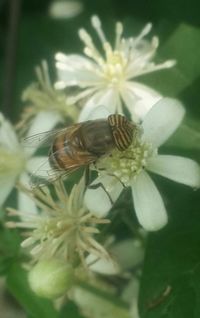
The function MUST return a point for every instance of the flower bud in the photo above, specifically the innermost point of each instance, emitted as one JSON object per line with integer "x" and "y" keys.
{"x": 51, "y": 278}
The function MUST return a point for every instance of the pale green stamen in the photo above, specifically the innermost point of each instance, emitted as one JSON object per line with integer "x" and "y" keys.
{"x": 126, "y": 165}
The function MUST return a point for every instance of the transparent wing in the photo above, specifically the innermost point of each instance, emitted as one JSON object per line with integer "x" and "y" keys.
{"x": 46, "y": 138}
{"x": 44, "y": 175}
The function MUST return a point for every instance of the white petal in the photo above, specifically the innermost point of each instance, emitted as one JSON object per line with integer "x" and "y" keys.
{"x": 76, "y": 69}
{"x": 35, "y": 163}
{"x": 65, "y": 9}
{"x": 6, "y": 186}
{"x": 176, "y": 168}
{"x": 139, "y": 99}
{"x": 162, "y": 120}
{"x": 8, "y": 137}
{"x": 102, "y": 266}
{"x": 44, "y": 121}
{"x": 109, "y": 99}
{"x": 89, "y": 107}
{"x": 25, "y": 203}
{"x": 131, "y": 291}
{"x": 97, "y": 200}
{"x": 73, "y": 60}
{"x": 149, "y": 206}
{"x": 99, "y": 112}
{"x": 128, "y": 253}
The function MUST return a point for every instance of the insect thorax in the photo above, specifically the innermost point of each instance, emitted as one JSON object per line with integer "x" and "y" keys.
{"x": 97, "y": 137}
{"x": 122, "y": 131}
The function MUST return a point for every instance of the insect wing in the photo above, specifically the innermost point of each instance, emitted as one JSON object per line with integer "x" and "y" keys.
{"x": 44, "y": 175}
{"x": 46, "y": 138}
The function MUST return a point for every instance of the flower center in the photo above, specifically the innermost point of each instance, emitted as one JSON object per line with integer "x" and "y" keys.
{"x": 10, "y": 162}
{"x": 126, "y": 165}
{"x": 114, "y": 66}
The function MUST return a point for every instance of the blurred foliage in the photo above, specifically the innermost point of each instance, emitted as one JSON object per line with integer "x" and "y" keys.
{"x": 171, "y": 275}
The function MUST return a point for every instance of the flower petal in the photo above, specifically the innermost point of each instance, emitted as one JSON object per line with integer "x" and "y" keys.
{"x": 162, "y": 120}
{"x": 25, "y": 203}
{"x": 6, "y": 186}
{"x": 97, "y": 200}
{"x": 139, "y": 99}
{"x": 148, "y": 203}
{"x": 8, "y": 137}
{"x": 43, "y": 122}
{"x": 179, "y": 169}
{"x": 102, "y": 266}
{"x": 128, "y": 253}
{"x": 74, "y": 69}
{"x": 107, "y": 98}
{"x": 35, "y": 163}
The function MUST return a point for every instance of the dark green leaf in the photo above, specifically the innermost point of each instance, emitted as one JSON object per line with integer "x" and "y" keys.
{"x": 184, "y": 47}
{"x": 70, "y": 310}
{"x": 187, "y": 136}
{"x": 171, "y": 278}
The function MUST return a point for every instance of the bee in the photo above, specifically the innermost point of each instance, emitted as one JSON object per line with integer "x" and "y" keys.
{"x": 82, "y": 144}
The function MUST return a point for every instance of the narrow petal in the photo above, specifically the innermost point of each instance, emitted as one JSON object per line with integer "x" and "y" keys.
{"x": 162, "y": 120}
{"x": 149, "y": 206}
{"x": 107, "y": 98}
{"x": 6, "y": 186}
{"x": 102, "y": 266}
{"x": 97, "y": 200}
{"x": 76, "y": 69}
{"x": 44, "y": 121}
{"x": 139, "y": 99}
{"x": 25, "y": 203}
{"x": 176, "y": 168}
{"x": 99, "y": 112}
{"x": 8, "y": 137}
{"x": 128, "y": 253}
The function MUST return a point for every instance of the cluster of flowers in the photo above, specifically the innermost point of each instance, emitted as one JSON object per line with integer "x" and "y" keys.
{"x": 61, "y": 226}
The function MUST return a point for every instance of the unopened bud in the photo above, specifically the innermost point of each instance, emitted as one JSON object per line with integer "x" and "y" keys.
{"x": 51, "y": 278}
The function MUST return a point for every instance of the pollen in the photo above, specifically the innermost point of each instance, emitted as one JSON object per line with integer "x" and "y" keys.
{"x": 114, "y": 68}
{"x": 127, "y": 165}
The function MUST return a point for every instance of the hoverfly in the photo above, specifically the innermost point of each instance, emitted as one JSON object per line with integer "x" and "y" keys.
{"x": 82, "y": 144}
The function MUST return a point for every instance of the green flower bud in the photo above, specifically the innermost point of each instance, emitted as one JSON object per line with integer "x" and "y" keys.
{"x": 51, "y": 278}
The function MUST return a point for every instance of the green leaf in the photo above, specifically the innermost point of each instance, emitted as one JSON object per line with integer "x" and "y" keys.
{"x": 170, "y": 285}
{"x": 70, "y": 310}
{"x": 183, "y": 46}
{"x": 18, "y": 286}
{"x": 9, "y": 248}
{"x": 187, "y": 136}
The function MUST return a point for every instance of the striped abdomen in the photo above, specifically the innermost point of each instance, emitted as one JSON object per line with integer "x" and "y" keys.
{"x": 122, "y": 131}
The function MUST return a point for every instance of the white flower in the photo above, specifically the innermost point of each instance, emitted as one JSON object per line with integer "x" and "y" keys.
{"x": 65, "y": 9}
{"x": 41, "y": 97}
{"x": 108, "y": 79}
{"x": 100, "y": 304}
{"x": 130, "y": 168}
{"x": 18, "y": 162}
{"x": 63, "y": 229}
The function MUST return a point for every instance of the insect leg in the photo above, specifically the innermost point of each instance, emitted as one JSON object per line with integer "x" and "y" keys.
{"x": 97, "y": 185}
{"x": 87, "y": 176}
